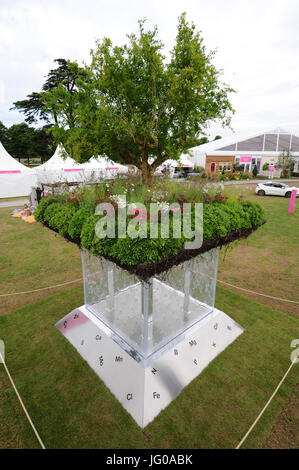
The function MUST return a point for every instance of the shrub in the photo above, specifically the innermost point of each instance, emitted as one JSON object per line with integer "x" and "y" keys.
{"x": 41, "y": 208}
{"x": 216, "y": 222}
{"x": 239, "y": 218}
{"x": 88, "y": 231}
{"x": 254, "y": 171}
{"x": 146, "y": 250}
{"x": 255, "y": 212}
{"x": 50, "y": 211}
{"x": 61, "y": 219}
{"x": 77, "y": 221}
{"x": 220, "y": 217}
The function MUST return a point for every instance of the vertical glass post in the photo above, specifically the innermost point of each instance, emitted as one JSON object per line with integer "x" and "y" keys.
{"x": 187, "y": 291}
{"x": 147, "y": 315}
{"x": 110, "y": 300}
{"x": 215, "y": 255}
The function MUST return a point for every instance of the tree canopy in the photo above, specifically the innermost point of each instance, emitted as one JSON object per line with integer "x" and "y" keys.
{"x": 138, "y": 108}
{"x": 44, "y": 105}
{"x": 21, "y": 140}
{"x": 286, "y": 163}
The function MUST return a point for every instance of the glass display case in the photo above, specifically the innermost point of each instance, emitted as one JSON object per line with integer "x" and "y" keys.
{"x": 147, "y": 315}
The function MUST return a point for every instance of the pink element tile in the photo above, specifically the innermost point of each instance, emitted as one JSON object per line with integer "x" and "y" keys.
{"x": 77, "y": 318}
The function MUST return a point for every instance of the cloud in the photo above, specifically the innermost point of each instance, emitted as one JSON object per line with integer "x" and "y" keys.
{"x": 256, "y": 42}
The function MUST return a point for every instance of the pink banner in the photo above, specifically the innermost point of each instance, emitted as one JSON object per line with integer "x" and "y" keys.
{"x": 245, "y": 159}
{"x": 73, "y": 169}
{"x": 292, "y": 200}
{"x": 10, "y": 171}
{"x": 271, "y": 168}
{"x": 111, "y": 168}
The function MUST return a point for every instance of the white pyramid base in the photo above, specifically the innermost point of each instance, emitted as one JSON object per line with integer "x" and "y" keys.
{"x": 144, "y": 388}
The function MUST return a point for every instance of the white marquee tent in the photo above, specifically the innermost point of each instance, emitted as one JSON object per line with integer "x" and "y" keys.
{"x": 59, "y": 169}
{"x": 102, "y": 167}
{"x": 172, "y": 164}
{"x": 62, "y": 168}
{"x": 15, "y": 179}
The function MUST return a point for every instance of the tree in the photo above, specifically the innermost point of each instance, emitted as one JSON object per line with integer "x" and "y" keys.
{"x": 139, "y": 109}
{"x": 23, "y": 141}
{"x": 34, "y": 108}
{"x": 286, "y": 162}
{"x": 254, "y": 171}
{"x": 44, "y": 105}
{"x": 3, "y": 134}
{"x": 44, "y": 144}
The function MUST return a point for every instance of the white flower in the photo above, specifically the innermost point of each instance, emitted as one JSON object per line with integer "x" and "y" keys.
{"x": 121, "y": 201}
{"x": 164, "y": 206}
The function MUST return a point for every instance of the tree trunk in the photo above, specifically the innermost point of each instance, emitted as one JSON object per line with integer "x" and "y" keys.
{"x": 147, "y": 173}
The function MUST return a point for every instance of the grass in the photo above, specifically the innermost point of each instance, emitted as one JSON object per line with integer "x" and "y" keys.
{"x": 72, "y": 408}
{"x": 268, "y": 261}
{"x": 32, "y": 257}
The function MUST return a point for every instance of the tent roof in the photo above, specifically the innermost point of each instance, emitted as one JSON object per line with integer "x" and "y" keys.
{"x": 183, "y": 161}
{"x": 58, "y": 162}
{"x": 8, "y": 163}
{"x": 268, "y": 140}
{"x": 103, "y": 163}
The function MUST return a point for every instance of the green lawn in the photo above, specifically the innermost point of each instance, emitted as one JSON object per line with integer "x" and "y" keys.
{"x": 70, "y": 405}
{"x": 32, "y": 257}
{"x": 72, "y": 408}
{"x": 268, "y": 261}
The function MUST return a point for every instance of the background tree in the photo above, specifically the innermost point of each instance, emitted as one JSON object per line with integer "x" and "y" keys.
{"x": 3, "y": 134}
{"x": 44, "y": 144}
{"x": 39, "y": 106}
{"x": 286, "y": 162}
{"x": 23, "y": 141}
{"x": 20, "y": 141}
{"x": 139, "y": 109}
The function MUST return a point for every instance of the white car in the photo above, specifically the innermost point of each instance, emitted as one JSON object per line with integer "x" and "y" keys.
{"x": 275, "y": 188}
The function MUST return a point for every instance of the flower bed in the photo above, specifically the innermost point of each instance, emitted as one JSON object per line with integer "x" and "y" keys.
{"x": 74, "y": 217}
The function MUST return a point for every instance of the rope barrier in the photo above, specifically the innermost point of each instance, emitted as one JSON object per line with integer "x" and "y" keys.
{"x": 80, "y": 279}
{"x": 22, "y": 404}
{"x": 258, "y": 293}
{"x": 268, "y": 403}
{"x": 42, "y": 288}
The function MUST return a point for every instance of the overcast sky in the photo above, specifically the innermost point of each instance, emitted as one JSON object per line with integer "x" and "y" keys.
{"x": 257, "y": 42}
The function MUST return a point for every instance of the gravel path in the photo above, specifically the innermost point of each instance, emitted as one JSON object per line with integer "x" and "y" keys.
{"x": 14, "y": 203}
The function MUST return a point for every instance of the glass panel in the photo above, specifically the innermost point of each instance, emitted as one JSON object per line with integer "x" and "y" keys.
{"x": 231, "y": 147}
{"x": 254, "y": 144}
{"x": 147, "y": 315}
{"x": 295, "y": 144}
{"x": 284, "y": 142}
{"x": 270, "y": 142}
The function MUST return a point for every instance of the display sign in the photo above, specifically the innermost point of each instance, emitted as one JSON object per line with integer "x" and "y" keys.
{"x": 271, "y": 168}
{"x": 245, "y": 159}
{"x": 292, "y": 200}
